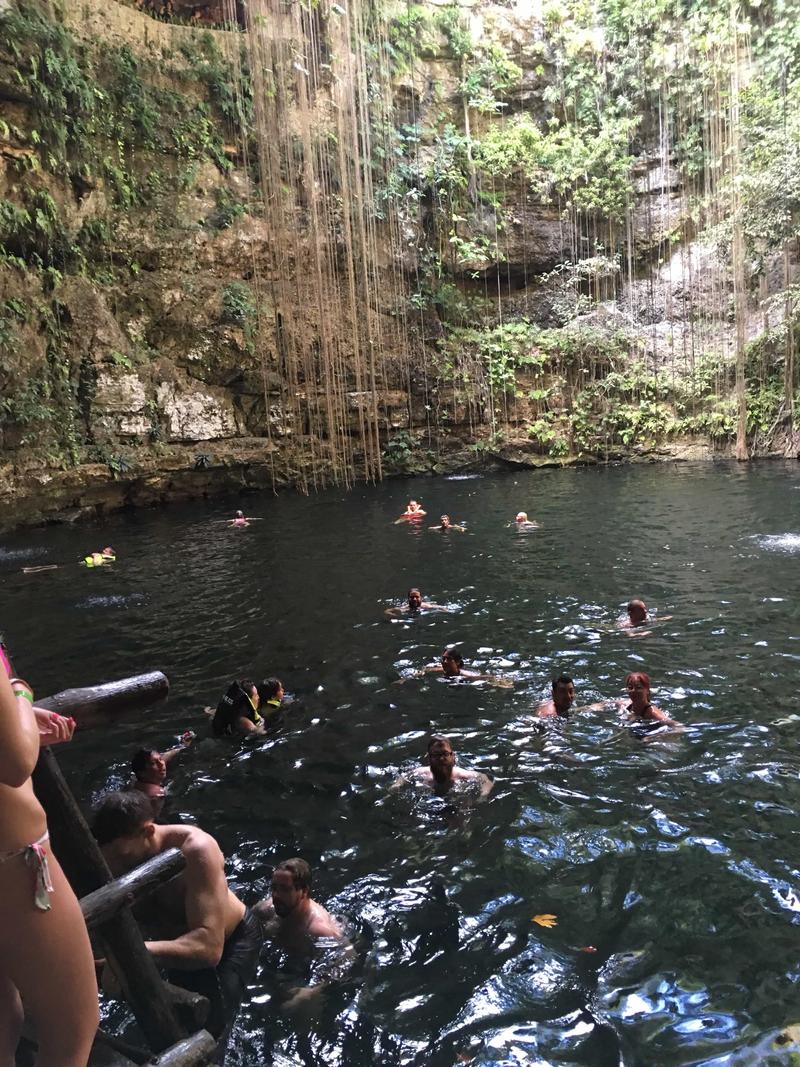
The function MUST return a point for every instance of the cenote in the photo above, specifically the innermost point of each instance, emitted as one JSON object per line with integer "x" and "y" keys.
{"x": 671, "y": 868}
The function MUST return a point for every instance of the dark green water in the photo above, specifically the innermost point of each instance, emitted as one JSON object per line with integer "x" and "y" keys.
{"x": 677, "y": 862}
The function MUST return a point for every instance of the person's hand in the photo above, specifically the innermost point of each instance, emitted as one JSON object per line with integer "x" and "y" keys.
{"x": 301, "y": 999}
{"x": 53, "y": 728}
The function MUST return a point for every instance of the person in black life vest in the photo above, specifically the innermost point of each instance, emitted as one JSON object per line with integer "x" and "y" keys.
{"x": 237, "y": 711}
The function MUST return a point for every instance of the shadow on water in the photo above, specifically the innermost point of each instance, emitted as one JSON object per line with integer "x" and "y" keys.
{"x": 671, "y": 868}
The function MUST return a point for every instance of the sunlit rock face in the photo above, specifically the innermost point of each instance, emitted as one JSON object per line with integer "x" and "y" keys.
{"x": 328, "y": 291}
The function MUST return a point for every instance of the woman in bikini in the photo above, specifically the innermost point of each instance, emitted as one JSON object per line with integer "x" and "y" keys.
{"x": 45, "y": 955}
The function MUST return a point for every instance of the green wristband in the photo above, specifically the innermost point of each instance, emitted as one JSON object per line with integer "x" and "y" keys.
{"x": 25, "y": 693}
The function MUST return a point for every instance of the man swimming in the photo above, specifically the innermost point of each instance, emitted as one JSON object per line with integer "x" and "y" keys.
{"x": 441, "y": 775}
{"x": 446, "y": 524}
{"x": 414, "y": 606}
{"x": 303, "y": 928}
{"x": 522, "y": 522}
{"x": 451, "y": 665}
{"x": 562, "y": 699}
{"x": 149, "y": 768}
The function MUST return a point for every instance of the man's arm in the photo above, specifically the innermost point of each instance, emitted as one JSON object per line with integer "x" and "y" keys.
{"x": 171, "y": 753}
{"x": 205, "y": 901}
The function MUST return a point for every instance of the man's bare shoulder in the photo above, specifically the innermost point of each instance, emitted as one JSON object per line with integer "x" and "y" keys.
{"x": 323, "y": 924}
{"x": 547, "y": 710}
{"x": 198, "y": 847}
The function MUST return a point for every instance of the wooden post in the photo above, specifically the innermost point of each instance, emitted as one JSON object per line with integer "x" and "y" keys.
{"x": 86, "y": 869}
{"x": 193, "y": 1051}
{"x": 89, "y": 705}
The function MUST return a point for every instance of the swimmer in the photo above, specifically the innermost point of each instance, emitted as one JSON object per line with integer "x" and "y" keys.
{"x": 446, "y": 524}
{"x": 271, "y": 694}
{"x": 638, "y": 616}
{"x": 522, "y": 522}
{"x": 150, "y": 767}
{"x": 451, "y": 665}
{"x": 303, "y": 929}
{"x": 98, "y": 559}
{"x": 442, "y": 774}
{"x": 237, "y": 711}
{"x": 414, "y": 606}
{"x": 643, "y": 717}
{"x": 562, "y": 699}
{"x": 412, "y": 513}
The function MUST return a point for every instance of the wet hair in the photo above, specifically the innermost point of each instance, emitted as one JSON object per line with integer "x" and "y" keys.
{"x": 414, "y": 590}
{"x": 121, "y": 815}
{"x": 522, "y": 516}
{"x": 454, "y": 655}
{"x": 634, "y": 604}
{"x": 438, "y": 739}
{"x": 108, "y": 550}
{"x": 141, "y": 759}
{"x": 300, "y": 872}
{"x": 638, "y": 678}
{"x": 234, "y": 703}
{"x": 239, "y": 514}
{"x": 268, "y": 689}
{"x": 563, "y": 679}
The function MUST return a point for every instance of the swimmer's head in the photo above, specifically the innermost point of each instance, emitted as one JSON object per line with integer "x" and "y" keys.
{"x": 291, "y": 884}
{"x": 522, "y": 516}
{"x": 441, "y": 758}
{"x": 251, "y": 689}
{"x": 445, "y": 520}
{"x": 637, "y": 612}
{"x": 239, "y": 515}
{"x": 271, "y": 689}
{"x": 414, "y": 599}
{"x": 563, "y": 692}
{"x": 452, "y": 662}
{"x": 108, "y": 551}
{"x": 149, "y": 766}
{"x": 638, "y": 686}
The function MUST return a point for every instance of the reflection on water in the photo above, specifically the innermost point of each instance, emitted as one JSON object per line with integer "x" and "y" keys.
{"x": 671, "y": 868}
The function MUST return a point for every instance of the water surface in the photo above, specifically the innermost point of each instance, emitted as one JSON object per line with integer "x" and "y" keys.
{"x": 671, "y": 868}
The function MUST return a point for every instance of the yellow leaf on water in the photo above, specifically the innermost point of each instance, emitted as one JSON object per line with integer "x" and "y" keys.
{"x": 545, "y": 920}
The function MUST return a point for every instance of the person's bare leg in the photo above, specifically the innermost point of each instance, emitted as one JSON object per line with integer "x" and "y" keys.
{"x": 10, "y": 1021}
{"x": 48, "y": 957}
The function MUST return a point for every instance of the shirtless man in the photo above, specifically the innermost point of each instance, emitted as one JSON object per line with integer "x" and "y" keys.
{"x": 211, "y": 941}
{"x": 446, "y": 524}
{"x": 522, "y": 522}
{"x": 150, "y": 768}
{"x": 441, "y": 774}
{"x": 414, "y": 606}
{"x": 451, "y": 665}
{"x": 294, "y": 922}
{"x": 563, "y": 697}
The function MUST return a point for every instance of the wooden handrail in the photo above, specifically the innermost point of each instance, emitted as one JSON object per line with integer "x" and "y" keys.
{"x": 90, "y": 704}
{"x": 104, "y": 903}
